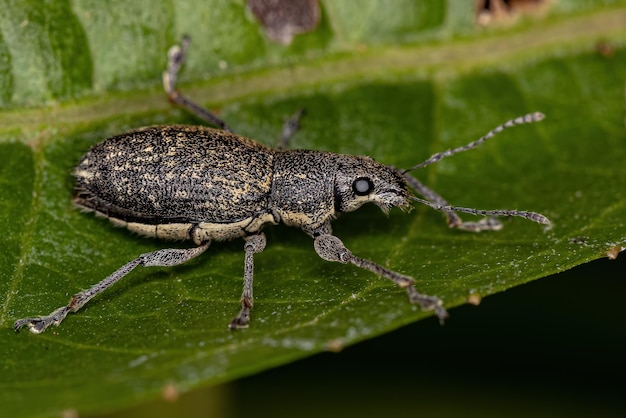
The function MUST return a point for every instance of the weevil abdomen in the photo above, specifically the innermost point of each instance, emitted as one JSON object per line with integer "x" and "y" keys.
{"x": 178, "y": 182}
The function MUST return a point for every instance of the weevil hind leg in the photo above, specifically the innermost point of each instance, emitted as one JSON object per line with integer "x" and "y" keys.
{"x": 331, "y": 248}
{"x": 488, "y": 223}
{"x": 161, "y": 258}
{"x": 175, "y": 58}
{"x": 254, "y": 245}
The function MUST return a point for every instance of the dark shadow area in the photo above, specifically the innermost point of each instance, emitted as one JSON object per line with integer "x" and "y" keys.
{"x": 553, "y": 347}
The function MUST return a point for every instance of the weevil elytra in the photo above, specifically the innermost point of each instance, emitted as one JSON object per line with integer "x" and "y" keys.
{"x": 202, "y": 184}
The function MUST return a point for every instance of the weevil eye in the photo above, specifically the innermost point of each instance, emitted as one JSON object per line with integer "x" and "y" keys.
{"x": 362, "y": 186}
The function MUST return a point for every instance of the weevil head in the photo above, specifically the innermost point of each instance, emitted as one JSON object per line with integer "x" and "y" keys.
{"x": 360, "y": 180}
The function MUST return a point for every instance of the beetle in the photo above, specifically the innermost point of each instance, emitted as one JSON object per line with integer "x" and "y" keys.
{"x": 203, "y": 184}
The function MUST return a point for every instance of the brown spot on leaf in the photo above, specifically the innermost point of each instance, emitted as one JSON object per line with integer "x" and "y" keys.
{"x": 605, "y": 48}
{"x": 614, "y": 251}
{"x": 335, "y": 346}
{"x": 170, "y": 393}
{"x": 69, "y": 413}
{"x": 474, "y": 298}
{"x": 503, "y": 11}
{"x": 283, "y": 19}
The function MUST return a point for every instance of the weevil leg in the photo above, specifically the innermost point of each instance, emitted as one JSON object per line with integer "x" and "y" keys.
{"x": 290, "y": 128}
{"x": 175, "y": 58}
{"x": 454, "y": 221}
{"x": 488, "y": 223}
{"x": 331, "y": 248}
{"x": 254, "y": 244}
{"x": 161, "y": 258}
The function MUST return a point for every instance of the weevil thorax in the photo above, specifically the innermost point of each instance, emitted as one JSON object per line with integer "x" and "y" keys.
{"x": 360, "y": 180}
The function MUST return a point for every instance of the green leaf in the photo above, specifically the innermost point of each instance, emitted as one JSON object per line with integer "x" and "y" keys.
{"x": 397, "y": 86}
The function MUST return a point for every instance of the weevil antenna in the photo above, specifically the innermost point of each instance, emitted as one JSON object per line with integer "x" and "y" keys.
{"x": 529, "y": 118}
{"x": 531, "y": 216}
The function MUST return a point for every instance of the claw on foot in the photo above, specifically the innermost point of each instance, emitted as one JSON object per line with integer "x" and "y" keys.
{"x": 35, "y": 325}
{"x": 428, "y": 303}
{"x": 240, "y": 322}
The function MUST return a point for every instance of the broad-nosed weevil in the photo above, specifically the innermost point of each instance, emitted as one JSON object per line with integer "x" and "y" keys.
{"x": 202, "y": 184}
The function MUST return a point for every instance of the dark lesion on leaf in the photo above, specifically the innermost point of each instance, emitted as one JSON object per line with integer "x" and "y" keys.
{"x": 283, "y": 19}
{"x": 502, "y": 11}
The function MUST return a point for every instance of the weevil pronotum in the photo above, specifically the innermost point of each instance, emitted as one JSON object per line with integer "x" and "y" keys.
{"x": 202, "y": 184}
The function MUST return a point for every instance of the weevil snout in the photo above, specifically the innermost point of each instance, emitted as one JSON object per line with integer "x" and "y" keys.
{"x": 360, "y": 180}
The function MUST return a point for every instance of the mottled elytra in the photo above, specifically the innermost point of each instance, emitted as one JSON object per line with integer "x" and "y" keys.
{"x": 202, "y": 184}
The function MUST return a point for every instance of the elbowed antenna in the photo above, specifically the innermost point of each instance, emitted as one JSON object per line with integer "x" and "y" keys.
{"x": 529, "y": 118}
{"x": 531, "y": 216}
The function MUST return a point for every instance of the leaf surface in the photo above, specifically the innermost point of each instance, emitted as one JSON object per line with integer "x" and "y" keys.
{"x": 417, "y": 86}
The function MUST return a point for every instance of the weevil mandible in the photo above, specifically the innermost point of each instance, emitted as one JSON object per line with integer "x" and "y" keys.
{"x": 202, "y": 184}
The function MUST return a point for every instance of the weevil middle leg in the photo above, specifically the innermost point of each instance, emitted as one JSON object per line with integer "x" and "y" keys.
{"x": 254, "y": 244}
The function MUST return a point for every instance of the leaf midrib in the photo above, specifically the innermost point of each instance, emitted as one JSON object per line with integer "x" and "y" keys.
{"x": 439, "y": 61}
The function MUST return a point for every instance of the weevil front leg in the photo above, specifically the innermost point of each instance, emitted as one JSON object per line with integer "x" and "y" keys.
{"x": 254, "y": 244}
{"x": 488, "y": 223}
{"x": 331, "y": 248}
{"x": 437, "y": 202}
{"x": 160, "y": 258}
{"x": 175, "y": 58}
